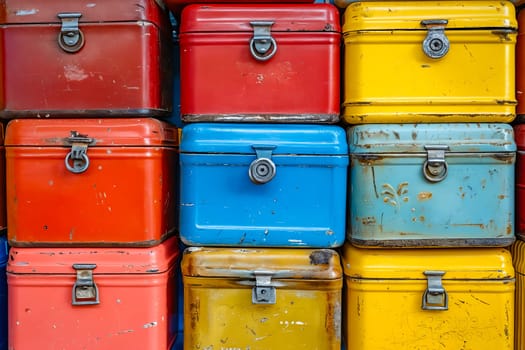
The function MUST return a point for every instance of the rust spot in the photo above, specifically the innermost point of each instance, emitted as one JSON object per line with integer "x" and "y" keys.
{"x": 508, "y": 229}
{"x": 501, "y": 196}
{"x": 423, "y": 196}
{"x": 414, "y": 135}
{"x": 321, "y": 257}
{"x": 507, "y": 158}
{"x": 370, "y": 220}
{"x": 422, "y": 218}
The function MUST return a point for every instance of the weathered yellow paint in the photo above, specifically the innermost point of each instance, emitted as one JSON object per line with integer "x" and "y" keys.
{"x": 218, "y": 309}
{"x": 518, "y": 258}
{"x": 384, "y": 292}
{"x": 389, "y": 79}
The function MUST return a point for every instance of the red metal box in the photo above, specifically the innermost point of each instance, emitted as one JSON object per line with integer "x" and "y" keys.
{"x": 3, "y": 218}
{"x": 91, "y": 182}
{"x": 84, "y": 58}
{"x": 519, "y": 135}
{"x": 260, "y": 63}
{"x": 97, "y": 298}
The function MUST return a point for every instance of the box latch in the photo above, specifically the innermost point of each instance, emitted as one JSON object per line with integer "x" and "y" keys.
{"x": 85, "y": 291}
{"x": 263, "y": 292}
{"x": 262, "y": 169}
{"x": 70, "y": 38}
{"x": 77, "y": 160}
{"x": 262, "y": 45}
{"x": 435, "y": 168}
{"x": 435, "y": 296}
{"x": 436, "y": 43}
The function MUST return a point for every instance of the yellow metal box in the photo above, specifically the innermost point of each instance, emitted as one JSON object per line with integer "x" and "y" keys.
{"x": 262, "y": 299}
{"x": 414, "y": 299}
{"x": 518, "y": 258}
{"x": 429, "y": 61}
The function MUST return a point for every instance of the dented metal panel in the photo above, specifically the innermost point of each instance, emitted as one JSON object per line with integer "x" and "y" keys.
{"x": 263, "y": 185}
{"x": 518, "y": 259}
{"x": 95, "y": 58}
{"x": 279, "y": 63}
{"x": 431, "y": 185}
{"x": 421, "y": 62}
{"x": 226, "y": 304}
{"x": 386, "y": 305}
{"x": 91, "y": 182}
{"x": 43, "y": 281}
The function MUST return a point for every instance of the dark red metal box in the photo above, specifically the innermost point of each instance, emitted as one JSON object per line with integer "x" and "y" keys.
{"x": 260, "y": 63}
{"x": 84, "y": 58}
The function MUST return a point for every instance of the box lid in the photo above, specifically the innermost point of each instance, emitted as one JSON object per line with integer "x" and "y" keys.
{"x": 119, "y": 260}
{"x": 215, "y": 18}
{"x": 412, "y": 138}
{"x": 3, "y": 250}
{"x": 388, "y": 15}
{"x": 38, "y": 11}
{"x": 287, "y": 138}
{"x": 104, "y": 132}
{"x": 458, "y": 264}
{"x": 519, "y": 131}
{"x": 281, "y": 263}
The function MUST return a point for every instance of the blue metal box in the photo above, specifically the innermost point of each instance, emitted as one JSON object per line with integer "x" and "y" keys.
{"x": 263, "y": 185}
{"x": 3, "y": 294}
{"x": 431, "y": 185}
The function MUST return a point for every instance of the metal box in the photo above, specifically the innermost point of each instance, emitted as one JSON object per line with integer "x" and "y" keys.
{"x": 3, "y": 293}
{"x": 414, "y": 299}
{"x": 429, "y": 61}
{"x": 518, "y": 259}
{"x": 260, "y": 299}
{"x": 263, "y": 185}
{"x": 86, "y": 298}
{"x": 431, "y": 185}
{"x": 270, "y": 62}
{"x": 91, "y": 182}
{"x": 84, "y": 59}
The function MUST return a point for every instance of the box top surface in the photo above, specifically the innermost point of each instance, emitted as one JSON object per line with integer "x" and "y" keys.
{"x": 104, "y": 132}
{"x": 37, "y": 11}
{"x": 119, "y": 260}
{"x": 412, "y": 138}
{"x": 280, "y": 263}
{"x": 287, "y": 138}
{"x": 389, "y": 15}
{"x": 215, "y": 18}
{"x": 458, "y": 264}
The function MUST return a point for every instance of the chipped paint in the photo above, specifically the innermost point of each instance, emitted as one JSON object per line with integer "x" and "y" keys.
{"x": 73, "y": 72}
{"x": 26, "y": 12}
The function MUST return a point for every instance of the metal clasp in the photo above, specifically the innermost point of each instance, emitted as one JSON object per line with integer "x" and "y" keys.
{"x": 70, "y": 38}
{"x": 435, "y": 168}
{"x": 77, "y": 160}
{"x": 436, "y": 43}
{"x": 262, "y": 44}
{"x": 435, "y": 296}
{"x": 85, "y": 291}
{"x": 264, "y": 291}
{"x": 262, "y": 169}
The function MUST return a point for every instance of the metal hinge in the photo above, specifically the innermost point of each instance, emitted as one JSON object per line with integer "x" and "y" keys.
{"x": 85, "y": 290}
{"x": 262, "y": 169}
{"x": 435, "y": 168}
{"x": 263, "y": 292}
{"x": 436, "y": 43}
{"x": 77, "y": 160}
{"x": 435, "y": 296}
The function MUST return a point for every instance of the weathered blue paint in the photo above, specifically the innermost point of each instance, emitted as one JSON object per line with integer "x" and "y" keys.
{"x": 3, "y": 293}
{"x": 393, "y": 204}
{"x": 302, "y": 206}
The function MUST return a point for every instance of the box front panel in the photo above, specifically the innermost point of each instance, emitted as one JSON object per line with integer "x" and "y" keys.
{"x": 127, "y": 196}
{"x": 3, "y": 294}
{"x": 388, "y": 78}
{"x": 302, "y": 206}
{"x": 520, "y": 193}
{"x": 387, "y": 314}
{"x": 518, "y": 259}
{"x": 219, "y": 313}
{"x": 135, "y": 312}
{"x": 300, "y": 83}
{"x": 118, "y": 70}
{"x": 393, "y": 204}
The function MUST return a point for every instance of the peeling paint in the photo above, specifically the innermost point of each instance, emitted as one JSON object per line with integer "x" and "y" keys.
{"x": 73, "y": 72}
{"x": 26, "y": 12}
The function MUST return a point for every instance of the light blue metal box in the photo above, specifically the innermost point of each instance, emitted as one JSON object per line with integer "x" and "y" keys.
{"x": 263, "y": 185}
{"x": 431, "y": 185}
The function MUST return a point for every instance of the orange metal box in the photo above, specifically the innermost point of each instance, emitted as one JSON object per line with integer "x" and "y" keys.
{"x": 3, "y": 222}
{"x": 96, "y": 298}
{"x": 91, "y": 182}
